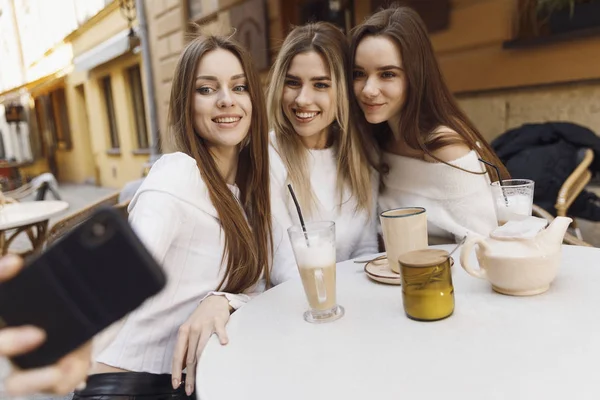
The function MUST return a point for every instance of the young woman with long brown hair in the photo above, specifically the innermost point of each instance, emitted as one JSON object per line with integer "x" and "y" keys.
{"x": 429, "y": 148}
{"x": 315, "y": 146}
{"x": 204, "y": 213}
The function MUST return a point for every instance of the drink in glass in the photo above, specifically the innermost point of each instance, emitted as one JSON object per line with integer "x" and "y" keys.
{"x": 513, "y": 199}
{"x": 314, "y": 249}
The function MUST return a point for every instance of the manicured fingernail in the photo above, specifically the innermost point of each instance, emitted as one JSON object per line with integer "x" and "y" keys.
{"x": 189, "y": 389}
{"x": 81, "y": 386}
{"x": 175, "y": 383}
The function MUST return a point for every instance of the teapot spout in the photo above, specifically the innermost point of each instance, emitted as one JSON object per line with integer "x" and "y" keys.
{"x": 554, "y": 234}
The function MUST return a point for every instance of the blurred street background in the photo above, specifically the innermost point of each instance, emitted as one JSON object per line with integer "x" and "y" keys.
{"x": 85, "y": 84}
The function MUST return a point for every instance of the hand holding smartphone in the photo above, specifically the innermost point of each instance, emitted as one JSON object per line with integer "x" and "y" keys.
{"x": 83, "y": 283}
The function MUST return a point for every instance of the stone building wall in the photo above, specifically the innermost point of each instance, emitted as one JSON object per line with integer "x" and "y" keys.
{"x": 495, "y": 112}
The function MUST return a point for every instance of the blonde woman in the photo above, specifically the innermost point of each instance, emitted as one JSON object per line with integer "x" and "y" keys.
{"x": 314, "y": 145}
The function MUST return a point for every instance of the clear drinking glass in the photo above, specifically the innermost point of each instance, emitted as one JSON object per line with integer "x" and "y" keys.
{"x": 314, "y": 249}
{"x": 513, "y": 199}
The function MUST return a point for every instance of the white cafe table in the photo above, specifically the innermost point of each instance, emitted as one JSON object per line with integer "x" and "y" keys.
{"x": 29, "y": 216}
{"x": 492, "y": 347}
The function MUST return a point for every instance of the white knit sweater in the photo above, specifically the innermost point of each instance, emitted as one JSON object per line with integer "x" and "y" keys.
{"x": 356, "y": 232}
{"x": 457, "y": 203}
{"x": 173, "y": 215}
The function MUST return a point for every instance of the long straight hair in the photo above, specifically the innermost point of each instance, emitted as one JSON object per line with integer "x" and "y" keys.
{"x": 429, "y": 103}
{"x": 248, "y": 242}
{"x": 352, "y": 165}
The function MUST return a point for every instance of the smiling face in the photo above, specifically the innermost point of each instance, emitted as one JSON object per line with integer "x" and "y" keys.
{"x": 308, "y": 98}
{"x": 221, "y": 106}
{"x": 379, "y": 81}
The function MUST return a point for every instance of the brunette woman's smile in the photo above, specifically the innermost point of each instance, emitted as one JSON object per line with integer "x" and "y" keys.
{"x": 227, "y": 121}
{"x": 372, "y": 107}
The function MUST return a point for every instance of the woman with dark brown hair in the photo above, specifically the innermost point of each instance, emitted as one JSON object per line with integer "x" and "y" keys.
{"x": 204, "y": 213}
{"x": 429, "y": 149}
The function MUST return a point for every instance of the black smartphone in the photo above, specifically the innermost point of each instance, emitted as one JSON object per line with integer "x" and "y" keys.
{"x": 92, "y": 277}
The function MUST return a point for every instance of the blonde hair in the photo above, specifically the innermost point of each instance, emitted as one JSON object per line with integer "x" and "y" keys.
{"x": 352, "y": 164}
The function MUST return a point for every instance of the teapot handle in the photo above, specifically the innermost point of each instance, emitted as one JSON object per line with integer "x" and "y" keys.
{"x": 465, "y": 252}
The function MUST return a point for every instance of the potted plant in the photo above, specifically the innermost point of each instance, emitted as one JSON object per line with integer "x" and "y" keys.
{"x": 569, "y": 15}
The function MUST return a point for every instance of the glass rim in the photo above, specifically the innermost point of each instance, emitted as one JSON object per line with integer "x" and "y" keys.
{"x": 506, "y": 183}
{"x": 418, "y": 210}
{"x": 313, "y": 226}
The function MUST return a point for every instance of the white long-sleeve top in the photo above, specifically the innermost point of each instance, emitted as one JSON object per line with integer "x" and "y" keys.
{"x": 174, "y": 217}
{"x": 457, "y": 203}
{"x": 356, "y": 232}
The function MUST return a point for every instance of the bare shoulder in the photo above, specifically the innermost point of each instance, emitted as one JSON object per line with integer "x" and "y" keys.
{"x": 450, "y": 152}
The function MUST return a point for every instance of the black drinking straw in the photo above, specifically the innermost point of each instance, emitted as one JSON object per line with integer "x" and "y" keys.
{"x": 299, "y": 213}
{"x": 499, "y": 179}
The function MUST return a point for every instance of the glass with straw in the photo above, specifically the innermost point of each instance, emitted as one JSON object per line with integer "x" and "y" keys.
{"x": 513, "y": 198}
{"x": 314, "y": 249}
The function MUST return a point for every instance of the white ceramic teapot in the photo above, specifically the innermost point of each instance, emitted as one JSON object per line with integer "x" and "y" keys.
{"x": 518, "y": 258}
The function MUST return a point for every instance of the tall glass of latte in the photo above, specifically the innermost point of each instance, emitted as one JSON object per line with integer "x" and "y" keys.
{"x": 314, "y": 249}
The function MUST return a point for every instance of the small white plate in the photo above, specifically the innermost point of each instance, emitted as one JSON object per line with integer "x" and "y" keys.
{"x": 380, "y": 271}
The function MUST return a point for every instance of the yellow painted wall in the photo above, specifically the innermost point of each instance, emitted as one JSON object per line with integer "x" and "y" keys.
{"x": 107, "y": 23}
{"x": 76, "y": 165}
{"x": 114, "y": 170}
{"x": 473, "y": 59}
{"x": 37, "y": 168}
{"x": 499, "y": 88}
{"x": 90, "y": 131}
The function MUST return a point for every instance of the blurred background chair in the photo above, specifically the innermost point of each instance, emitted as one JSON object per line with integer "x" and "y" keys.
{"x": 39, "y": 185}
{"x": 562, "y": 158}
{"x": 122, "y": 208}
{"x": 68, "y": 223}
{"x": 574, "y": 185}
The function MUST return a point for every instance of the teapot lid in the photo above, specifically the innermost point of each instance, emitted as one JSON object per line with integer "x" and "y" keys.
{"x": 424, "y": 258}
{"x": 526, "y": 228}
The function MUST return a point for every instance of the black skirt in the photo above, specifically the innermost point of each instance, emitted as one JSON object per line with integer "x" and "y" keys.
{"x": 131, "y": 386}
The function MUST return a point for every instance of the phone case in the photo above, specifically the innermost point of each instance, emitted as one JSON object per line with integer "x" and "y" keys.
{"x": 86, "y": 281}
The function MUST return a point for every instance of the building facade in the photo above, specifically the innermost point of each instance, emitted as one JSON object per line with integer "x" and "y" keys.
{"x": 501, "y": 79}
{"x": 80, "y": 83}
{"x": 106, "y": 102}
{"x": 80, "y": 80}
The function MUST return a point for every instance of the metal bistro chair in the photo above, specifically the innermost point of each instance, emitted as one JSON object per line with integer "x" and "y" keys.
{"x": 567, "y": 194}
{"x": 61, "y": 227}
{"x": 122, "y": 208}
{"x": 573, "y": 186}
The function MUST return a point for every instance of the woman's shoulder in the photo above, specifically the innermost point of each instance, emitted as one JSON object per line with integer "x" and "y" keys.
{"x": 174, "y": 160}
{"x": 451, "y": 152}
{"x": 177, "y": 175}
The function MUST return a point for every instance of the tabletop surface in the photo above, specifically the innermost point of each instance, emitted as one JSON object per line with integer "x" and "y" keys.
{"x": 29, "y": 212}
{"x": 492, "y": 347}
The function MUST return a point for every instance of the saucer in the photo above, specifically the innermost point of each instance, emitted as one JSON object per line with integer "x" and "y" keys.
{"x": 380, "y": 271}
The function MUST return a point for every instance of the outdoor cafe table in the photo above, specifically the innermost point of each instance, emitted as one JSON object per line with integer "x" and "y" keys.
{"x": 29, "y": 216}
{"x": 492, "y": 347}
